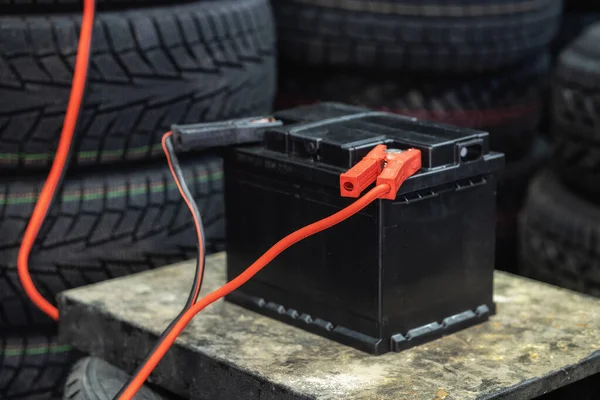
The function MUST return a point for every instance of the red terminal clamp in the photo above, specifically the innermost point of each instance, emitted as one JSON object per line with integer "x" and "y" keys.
{"x": 364, "y": 173}
{"x": 381, "y": 165}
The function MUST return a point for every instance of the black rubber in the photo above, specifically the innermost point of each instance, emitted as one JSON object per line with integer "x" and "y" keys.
{"x": 104, "y": 225}
{"x": 573, "y": 23}
{"x": 150, "y": 68}
{"x": 576, "y": 113}
{"x": 513, "y": 182}
{"x": 33, "y": 366}
{"x": 53, "y": 6}
{"x": 94, "y": 379}
{"x": 560, "y": 236}
{"x": 450, "y": 35}
{"x": 506, "y": 103}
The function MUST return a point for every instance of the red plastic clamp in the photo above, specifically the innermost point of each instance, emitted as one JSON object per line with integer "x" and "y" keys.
{"x": 398, "y": 167}
{"x": 364, "y": 173}
{"x": 391, "y": 167}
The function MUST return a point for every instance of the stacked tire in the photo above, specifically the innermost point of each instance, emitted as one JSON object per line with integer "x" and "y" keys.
{"x": 481, "y": 65}
{"x": 577, "y": 16}
{"x": 94, "y": 378}
{"x": 118, "y": 211}
{"x": 560, "y": 226}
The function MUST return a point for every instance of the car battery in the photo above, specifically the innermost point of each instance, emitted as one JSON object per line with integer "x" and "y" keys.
{"x": 399, "y": 273}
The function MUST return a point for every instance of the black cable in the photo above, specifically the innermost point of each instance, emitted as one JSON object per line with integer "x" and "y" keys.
{"x": 200, "y": 261}
{"x": 197, "y": 218}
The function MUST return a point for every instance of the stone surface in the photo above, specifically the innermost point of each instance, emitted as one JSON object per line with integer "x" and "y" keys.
{"x": 542, "y": 338}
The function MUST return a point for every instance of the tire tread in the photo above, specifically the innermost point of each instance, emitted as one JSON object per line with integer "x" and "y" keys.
{"x": 33, "y": 366}
{"x": 104, "y": 226}
{"x": 146, "y": 72}
{"x": 576, "y": 114}
{"x": 313, "y": 33}
{"x": 560, "y": 236}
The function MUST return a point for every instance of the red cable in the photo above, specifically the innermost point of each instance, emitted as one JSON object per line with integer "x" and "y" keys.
{"x": 58, "y": 165}
{"x": 232, "y": 285}
{"x": 51, "y": 185}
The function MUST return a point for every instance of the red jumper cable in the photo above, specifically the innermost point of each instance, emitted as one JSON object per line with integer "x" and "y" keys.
{"x": 392, "y": 168}
{"x": 60, "y": 163}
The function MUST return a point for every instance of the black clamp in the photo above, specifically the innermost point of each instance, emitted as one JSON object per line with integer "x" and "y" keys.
{"x": 222, "y": 133}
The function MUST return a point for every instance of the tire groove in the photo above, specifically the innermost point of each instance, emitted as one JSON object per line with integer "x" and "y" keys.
{"x": 117, "y": 93}
{"x": 76, "y": 259}
{"x": 558, "y": 236}
{"x": 418, "y": 43}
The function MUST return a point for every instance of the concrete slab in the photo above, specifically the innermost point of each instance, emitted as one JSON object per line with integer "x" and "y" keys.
{"x": 542, "y": 338}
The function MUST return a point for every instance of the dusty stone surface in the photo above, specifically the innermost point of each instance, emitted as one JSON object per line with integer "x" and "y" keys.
{"x": 541, "y": 338}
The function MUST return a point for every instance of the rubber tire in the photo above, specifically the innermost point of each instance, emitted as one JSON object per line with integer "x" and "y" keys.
{"x": 576, "y": 114}
{"x": 417, "y": 35}
{"x": 513, "y": 182}
{"x": 33, "y": 366}
{"x": 150, "y": 68}
{"x": 92, "y": 378}
{"x": 572, "y": 25}
{"x": 560, "y": 236}
{"x": 507, "y": 103}
{"x": 104, "y": 225}
{"x": 49, "y": 6}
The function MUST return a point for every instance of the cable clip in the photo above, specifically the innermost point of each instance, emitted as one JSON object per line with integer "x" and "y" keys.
{"x": 383, "y": 166}
{"x": 222, "y": 133}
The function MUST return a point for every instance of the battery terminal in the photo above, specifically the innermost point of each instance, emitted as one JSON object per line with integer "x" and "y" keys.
{"x": 383, "y": 166}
